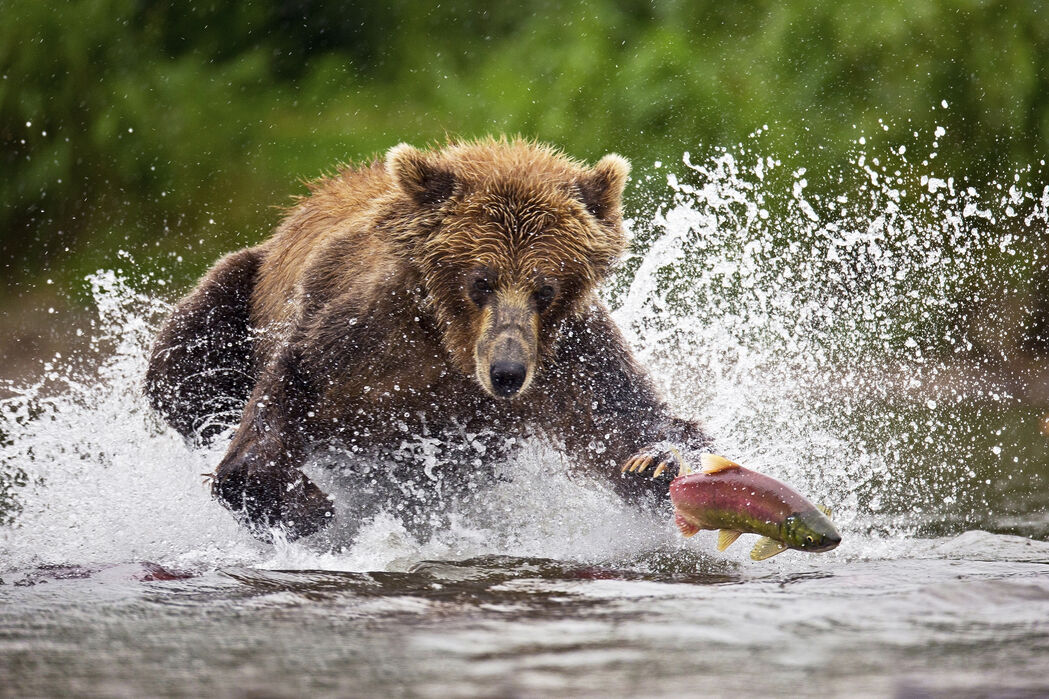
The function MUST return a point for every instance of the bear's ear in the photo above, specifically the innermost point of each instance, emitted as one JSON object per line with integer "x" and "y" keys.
{"x": 420, "y": 175}
{"x": 601, "y": 189}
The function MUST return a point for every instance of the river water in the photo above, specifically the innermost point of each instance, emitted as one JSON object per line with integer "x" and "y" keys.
{"x": 827, "y": 341}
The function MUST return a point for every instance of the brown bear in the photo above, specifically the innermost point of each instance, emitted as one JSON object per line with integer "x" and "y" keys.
{"x": 449, "y": 292}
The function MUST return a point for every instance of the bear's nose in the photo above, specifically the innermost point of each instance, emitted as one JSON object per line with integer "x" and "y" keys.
{"x": 507, "y": 377}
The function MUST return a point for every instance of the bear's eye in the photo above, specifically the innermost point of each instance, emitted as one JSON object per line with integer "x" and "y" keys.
{"x": 480, "y": 290}
{"x": 544, "y": 296}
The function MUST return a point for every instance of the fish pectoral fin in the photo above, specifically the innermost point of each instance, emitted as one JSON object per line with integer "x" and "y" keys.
{"x": 824, "y": 509}
{"x": 726, "y": 537}
{"x": 712, "y": 463}
{"x": 687, "y": 527}
{"x": 767, "y": 548}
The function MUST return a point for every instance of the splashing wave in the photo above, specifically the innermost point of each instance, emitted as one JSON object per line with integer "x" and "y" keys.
{"x": 793, "y": 325}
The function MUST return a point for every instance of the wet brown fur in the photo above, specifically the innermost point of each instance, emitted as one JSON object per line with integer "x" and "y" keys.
{"x": 364, "y": 320}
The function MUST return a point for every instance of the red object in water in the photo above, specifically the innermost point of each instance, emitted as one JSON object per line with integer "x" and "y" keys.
{"x": 726, "y": 496}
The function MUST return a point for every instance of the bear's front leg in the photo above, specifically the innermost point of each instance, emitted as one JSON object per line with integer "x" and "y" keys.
{"x": 606, "y": 410}
{"x": 671, "y": 442}
{"x": 263, "y": 491}
{"x": 259, "y": 478}
{"x": 667, "y": 444}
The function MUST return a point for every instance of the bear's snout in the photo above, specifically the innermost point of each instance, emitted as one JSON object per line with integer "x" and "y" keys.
{"x": 507, "y": 347}
{"x": 507, "y": 378}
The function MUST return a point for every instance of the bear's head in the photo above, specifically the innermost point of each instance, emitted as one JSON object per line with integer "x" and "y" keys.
{"x": 509, "y": 238}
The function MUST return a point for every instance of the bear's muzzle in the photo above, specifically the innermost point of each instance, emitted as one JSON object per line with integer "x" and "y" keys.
{"x": 507, "y": 347}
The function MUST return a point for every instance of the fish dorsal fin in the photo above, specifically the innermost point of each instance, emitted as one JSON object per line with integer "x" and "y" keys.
{"x": 726, "y": 537}
{"x": 687, "y": 528}
{"x": 767, "y": 548}
{"x": 712, "y": 463}
{"x": 824, "y": 509}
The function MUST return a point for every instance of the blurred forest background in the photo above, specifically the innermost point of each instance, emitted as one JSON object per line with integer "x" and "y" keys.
{"x": 173, "y": 130}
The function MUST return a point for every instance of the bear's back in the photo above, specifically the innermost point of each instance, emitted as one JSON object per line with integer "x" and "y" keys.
{"x": 329, "y": 231}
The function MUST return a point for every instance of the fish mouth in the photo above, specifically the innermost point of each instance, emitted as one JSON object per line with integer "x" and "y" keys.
{"x": 813, "y": 532}
{"x": 827, "y": 542}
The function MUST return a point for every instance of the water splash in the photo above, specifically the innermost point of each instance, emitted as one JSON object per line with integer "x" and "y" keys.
{"x": 104, "y": 481}
{"x": 828, "y": 339}
{"x": 814, "y": 335}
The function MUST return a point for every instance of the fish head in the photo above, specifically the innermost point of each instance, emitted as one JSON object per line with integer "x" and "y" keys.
{"x": 810, "y": 530}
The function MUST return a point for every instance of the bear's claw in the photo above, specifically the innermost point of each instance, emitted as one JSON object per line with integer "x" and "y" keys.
{"x": 663, "y": 458}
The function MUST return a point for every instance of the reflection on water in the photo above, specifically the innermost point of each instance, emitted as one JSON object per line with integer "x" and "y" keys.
{"x": 967, "y": 613}
{"x": 827, "y": 358}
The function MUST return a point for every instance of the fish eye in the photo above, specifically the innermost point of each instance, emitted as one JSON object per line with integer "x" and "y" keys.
{"x": 809, "y": 539}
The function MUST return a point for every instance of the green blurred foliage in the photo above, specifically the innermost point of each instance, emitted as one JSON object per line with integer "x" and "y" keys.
{"x": 172, "y": 130}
